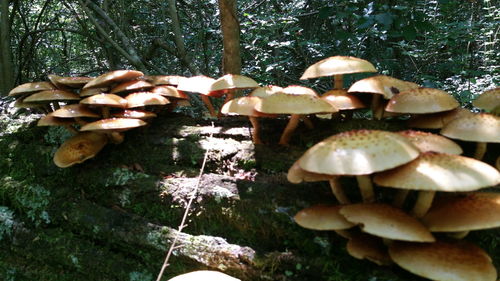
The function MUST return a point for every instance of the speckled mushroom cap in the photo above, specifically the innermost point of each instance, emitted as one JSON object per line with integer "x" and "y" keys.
{"x": 204, "y": 275}
{"x": 358, "y": 152}
{"x": 51, "y": 95}
{"x": 337, "y": 65}
{"x": 128, "y": 113}
{"x": 281, "y": 103}
{"x": 444, "y": 260}
{"x": 170, "y": 92}
{"x": 386, "y": 221}
{"x": 242, "y": 106}
{"x": 382, "y": 85}
{"x": 322, "y": 217}
{"x": 71, "y": 82}
{"x": 233, "y": 81}
{"x": 131, "y": 86}
{"x": 108, "y": 100}
{"x": 31, "y": 88}
{"x": 425, "y": 141}
{"x": 299, "y": 90}
{"x": 79, "y": 148}
{"x": 372, "y": 248}
{"x": 113, "y": 124}
{"x": 49, "y": 120}
{"x": 297, "y": 175}
{"x": 197, "y": 84}
{"x": 437, "y": 120}
{"x": 266, "y": 91}
{"x": 488, "y": 100}
{"x": 164, "y": 79}
{"x": 145, "y": 98}
{"x": 112, "y": 77}
{"x": 481, "y": 127}
{"x": 342, "y": 100}
{"x": 422, "y": 100}
{"x": 440, "y": 172}
{"x": 73, "y": 111}
{"x": 473, "y": 211}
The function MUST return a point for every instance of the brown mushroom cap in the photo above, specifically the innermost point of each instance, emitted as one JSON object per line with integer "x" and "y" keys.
{"x": 204, "y": 275}
{"x": 93, "y": 91}
{"x": 444, "y": 260}
{"x": 79, "y": 148}
{"x": 473, "y": 211}
{"x": 358, "y": 152}
{"x": 297, "y": 175}
{"x": 300, "y": 90}
{"x": 108, "y": 100}
{"x": 48, "y": 96}
{"x": 321, "y": 217}
{"x": 169, "y": 91}
{"x": 437, "y": 120}
{"x": 372, "y": 248}
{"x": 342, "y": 100}
{"x": 128, "y": 113}
{"x": 422, "y": 100}
{"x": 243, "y": 106}
{"x": 31, "y": 87}
{"x": 73, "y": 111}
{"x": 382, "y": 85}
{"x": 281, "y": 103}
{"x": 387, "y": 222}
{"x": 337, "y": 65}
{"x": 109, "y": 78}
{"x": 440, "y": 172}
{"x": 481, "y": 127}
{"x": 233, "y": 81}
{"x": 133, "y": 85}
{"x": 488, "y": 100}
{"x": 49, "y": 120}
{"x": 145, "y": 98}
{"x": 425, "y": 141}
{"x": 197, "y": 84}
{"x": 113, "y": 125}
{"x": 266, "y": 91}
{"x": 164, "y": 79}
{"x": 72, "y": 82}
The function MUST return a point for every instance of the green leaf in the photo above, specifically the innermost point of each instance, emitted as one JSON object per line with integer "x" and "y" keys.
{"x": 386, "y": 19}
{"x": 409, "y": 33}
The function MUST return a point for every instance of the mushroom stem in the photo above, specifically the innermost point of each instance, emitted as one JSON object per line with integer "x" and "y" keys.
{"x": 338, "y": 192}
{"x": 229, "y": 96}
{"x": 307, "y": 121}
{"x": 400, "y": 197}
{"x": 293, "y": 123}
{"x": 458, "y": 235}
{"x": 344, "y": 233}
{"x": 105, "y": 112}
{"x": 256, "y": 130}
{"x": 480, "y": 150}
{"x": 71, "y": 129}
{"x": 377, "y": 107}
{"x": 116, "y": 137}
{"x": 366, "y": 188}
{"x": 338, "y": 81}
{"x": 424, "y": 202}
{"x": 208, "y": 104}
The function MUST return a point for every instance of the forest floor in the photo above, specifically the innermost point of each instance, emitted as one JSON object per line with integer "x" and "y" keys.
{"x": 113, "y": 217}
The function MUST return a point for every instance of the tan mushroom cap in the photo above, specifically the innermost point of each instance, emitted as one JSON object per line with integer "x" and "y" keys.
{"x": 425, "y": 141}
{"x": 109, "y": 78}
{"x": 52, "y": 96}
{"x": 73, "y": 111}
{"x": 49, "y": 120}
{"x": 444, "y": 260}
{"x": 337, "y": 65}
{"x": 133, "y": 85}
{"x": 322, "y": 217}
{"x": 144, "y": 99}
{"x": 19, "y": 103}
{"x": 204, "y": 275}
{"x": 386, "y": 221}
{"x": 437, "y": 120}
{"x": 266, "y": 91}
{"x": 243, "y": 106}
{"x": 422, "y": 100}
{"x": 108, "y": 100}
{"x": 128, "y": 113}
{"x": 169, "y": 91}
{"x": 281, "y": 103}
{"x": 164, "y": 79}
{"x": 297, "y": 175}
{"x": 342, "y": 100}
{"x": 440, "y": 172}
{"x": 299, "y": 90}
{"x": 93, "y": 91}
{"x": 197, "y": 84}
{"x": 481, "y": 127}
{"x": 113, "y": 125}
{"x": 473, "y": 211}
{"x": 31, "y": 87}
{"x": 382, "y": 85}
{"x": 72, "y": 82}
{"x": 488, "y": 100}
{"x": 233, "y": 81}
{"x": 372, "y": 248}
{"x": 358, "y": 152}
{"x": 79, "y": 148}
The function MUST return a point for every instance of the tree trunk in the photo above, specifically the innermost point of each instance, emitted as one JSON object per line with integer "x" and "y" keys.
{"x": 231, "y": 59}
{"x": 6, "y": 65}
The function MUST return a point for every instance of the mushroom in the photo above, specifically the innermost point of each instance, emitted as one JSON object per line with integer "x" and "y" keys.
{"x": 113, "y": 77}
{"x": 113, "y": 127}
{"x": 205, "y": 275}
{"x": 105, "y": 102}
{"x": 231, "y": 83}
{"x": 141, "y": 99}
{"x": 129, "y": 113}
{"x": 173, "y": 95}
{"x": 79, "y": 148}
{"x": 68, "y": 82}
{"x": 421, "y": 101}
{"x": 93, "y": 91}
{"x": 49, "y": 120}
{"x": 437, "y": 120}
{"x": 342, "y": 100}
{"x": 488, "y": 100}
{"x": 31, "y": 87}
{"x": 199, "y": 84}
{"x": 52, "y": 97}
{"x": 170, "y": 80}
{"x": 372, "y": 248}
{"x": 131, "y": 86}
{"x": 426, "y": 141}
{"x": 322, "y": 217}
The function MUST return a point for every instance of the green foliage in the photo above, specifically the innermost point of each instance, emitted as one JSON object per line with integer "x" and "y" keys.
{"x": 122, "y": 176}
{"x": 6, "y": 221}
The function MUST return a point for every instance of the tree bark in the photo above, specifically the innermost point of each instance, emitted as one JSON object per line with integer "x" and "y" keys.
{"x": 6, "y": 65}
{"x": 231, "y": 59}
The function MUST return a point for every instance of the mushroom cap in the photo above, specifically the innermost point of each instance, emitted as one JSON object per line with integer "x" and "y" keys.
{"x": 107, "y": 100}
{"x": 49, "y": 120}
{"x": 473, "y": 211}
{"x": 79, "y": 148}
{"x": 128, "y": 113}
{"x": 382, "y": 85}
{"x": 297, "y": 175}
{"x": 31, "y": 87}
{"x": 425, "y": 141}
{"x": 337, "y": 65}
{"x": 342, "y": 100}
{"x": 481, "y": 127}
{"x": 145, "y": 98}
{"x": 372, "y": 248}
{"x": 444, "y": 260}
{"x": 72, "y": 82}
{"x": 131, "y": 86}
{"x": 19, "y": 103}
{"x": 113, "y": 125}
{"x": 205, "y": 275}
{"x": 197, "y": 84}
{"x": 281, "y": 103}
{"x": 48, "y": 96}
{"x": 386, "y": 221}
{"x": 322, "y": 217}
{"x": 299, "y": 90}
{"x": 266, "y": 91}
{"x": 437, "y": 120}
{"x": 109, "y": 78}
{"x": 488, "y": 100}
{"x": 164, "y": 79}
{"x": 243, "y": 106}
{"x": 74, "y": 110}
{"x": 440, "y": 172}
{"x": 169, "y": 91}
{"x": 233, "y": 81}
{"x": 93, "y": 91}
{"x": 422, "y": 100}
{"x": 358, "y": 152}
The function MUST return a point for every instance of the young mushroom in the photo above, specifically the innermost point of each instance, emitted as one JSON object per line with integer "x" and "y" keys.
{"x": 79, "y": 148}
